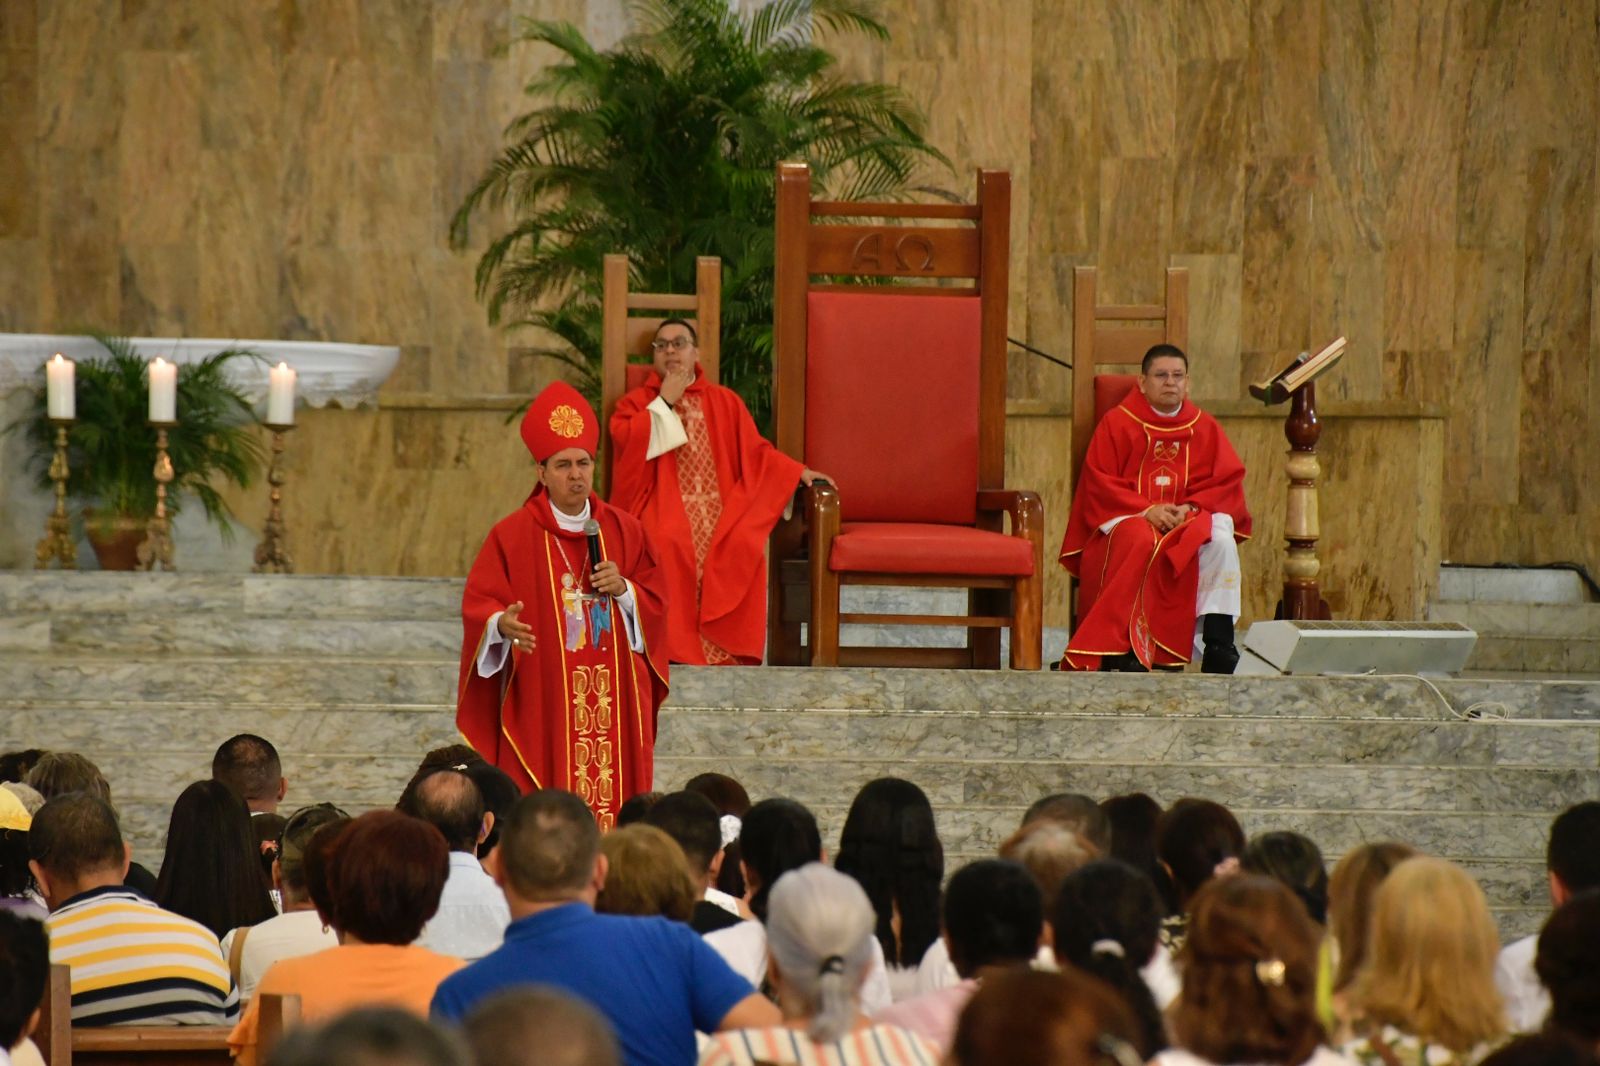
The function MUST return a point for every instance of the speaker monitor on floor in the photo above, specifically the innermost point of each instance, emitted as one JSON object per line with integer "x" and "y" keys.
{"x": 1308, "y": 647}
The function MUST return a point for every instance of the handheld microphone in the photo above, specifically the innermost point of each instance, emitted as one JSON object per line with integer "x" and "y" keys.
{"x": 591, "y": 529}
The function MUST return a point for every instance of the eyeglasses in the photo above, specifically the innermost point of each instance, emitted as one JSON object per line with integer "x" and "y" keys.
{"x": 676, "y": 344}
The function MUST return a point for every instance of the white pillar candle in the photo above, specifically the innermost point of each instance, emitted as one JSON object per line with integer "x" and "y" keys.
{"x": 59, "y": 385}
{"x": 163, "y": 390}
{"x": 280, "y": 396}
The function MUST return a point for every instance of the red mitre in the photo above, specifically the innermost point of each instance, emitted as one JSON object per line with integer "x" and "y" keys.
{"x": 559, "y": 418}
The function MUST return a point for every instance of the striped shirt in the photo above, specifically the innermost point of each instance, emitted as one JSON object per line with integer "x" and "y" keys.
{"x": 134, "y": 963}
{"x": 877, "y": 1045}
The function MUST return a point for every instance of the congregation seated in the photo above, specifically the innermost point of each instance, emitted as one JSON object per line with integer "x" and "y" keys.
{"x": 1131, "y": 822}
{"x": 1568, "y": 964}
{"x": 646, "y": 875}
{"x": 383, "y": 874}
{"x": 540, "y": 1026}
{"x": 59, "y": 772}
{"x": 299, "y": 930}
{"x": 472, "y": 915}
{"x": 1051, "y": 1019}
{"x": 1249, "y": 965}
{"x": 690, "y": 820}
{"x": 1572, "y": 858}
{"x": 992, "y": 916}
{"x": 17, "y": 892}
{"x": 1196, "y": 840}
{"x": 1354, "y": 881}
{"x": 1107, "y": 923}
{"x": 779, "y": 835}
{"x": 499, "y": 792}
{"x": 1426, "y": 990}
{"x": 890, "y": 845}
{"x": 132, "y": 962}
{"x": 24, "y": 969}
{"x": 250, "y": 766}
{"x": 1295, "y": 860}
{"x": 211, "y": 869}
{"x": 732, "y": 802}
{"x": 656, "y": 981}
{"x": 820, "y": 939}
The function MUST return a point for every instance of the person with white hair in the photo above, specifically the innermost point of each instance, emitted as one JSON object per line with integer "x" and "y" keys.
{"x": 820, "y": 936}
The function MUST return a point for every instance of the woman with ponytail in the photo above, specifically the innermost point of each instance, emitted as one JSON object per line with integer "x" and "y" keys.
{"x": 1107, "y": 921}
{"x": 819, "y": 926}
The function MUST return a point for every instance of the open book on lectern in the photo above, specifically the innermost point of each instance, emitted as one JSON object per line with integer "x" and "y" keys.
{"x": 1305, "y": 367}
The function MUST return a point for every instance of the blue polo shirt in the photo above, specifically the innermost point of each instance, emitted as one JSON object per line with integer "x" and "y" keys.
{"x": 654, "y": 979}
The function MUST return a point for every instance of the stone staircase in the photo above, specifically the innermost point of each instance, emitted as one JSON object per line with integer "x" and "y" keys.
{"x": 1529, "y": 621}
{"x": 353, "y": 678}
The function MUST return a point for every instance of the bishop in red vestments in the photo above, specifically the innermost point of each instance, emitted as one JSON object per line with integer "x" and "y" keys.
{"x": 688, "y": 462}
{"x": 1156, "y": 515}
{"x": 562, "y": 664}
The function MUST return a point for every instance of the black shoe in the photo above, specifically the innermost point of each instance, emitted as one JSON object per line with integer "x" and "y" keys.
{"x": 1126, "y": 663}
{"x": 1220, "y": 655}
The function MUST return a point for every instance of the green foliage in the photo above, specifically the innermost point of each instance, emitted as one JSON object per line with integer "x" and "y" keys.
{"x": 664, "y": 149}
{"x": 111, "y": 448}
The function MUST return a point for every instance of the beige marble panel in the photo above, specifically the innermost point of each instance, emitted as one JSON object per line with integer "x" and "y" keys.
{"x": 1037, "y": 451}
{"x": 160, "y": 289}
{"x": 240, "y": 262}
{"x": 22, "y": 277}
{"x": 1139, "y": 82}
{"x": 79, "y": 224}
{"x": 1214, "y": 320}
{"x": 1486, "y": 376}
{"x": 1135, "y": 229}
{"x": 80, "y": 87}
{"x": 1208, "y": 198}
{"x": 1276, "y": 267}
{"x": 158, "y": 148}
{"x": 1285, "y": 36}
{"x": 1347, "y": 293}
{"x": 239, "y": 48}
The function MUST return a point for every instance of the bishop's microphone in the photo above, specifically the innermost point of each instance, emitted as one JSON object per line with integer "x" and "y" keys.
{"x": 591, "y": 529}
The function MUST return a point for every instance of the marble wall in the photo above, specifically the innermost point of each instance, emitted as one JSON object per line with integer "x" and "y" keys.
{"x": 1420, "y": 177}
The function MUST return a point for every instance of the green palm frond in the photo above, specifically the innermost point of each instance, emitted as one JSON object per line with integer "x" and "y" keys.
{"x": 663, "y": 148}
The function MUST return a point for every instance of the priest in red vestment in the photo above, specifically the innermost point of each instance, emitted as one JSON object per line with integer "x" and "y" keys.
{"x": 1152, "y": 538}
{"x": 563, "y": 664}
{"x": 688, "y": 462}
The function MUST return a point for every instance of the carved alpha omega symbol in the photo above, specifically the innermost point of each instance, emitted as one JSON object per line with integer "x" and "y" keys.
{"x": 868, "y": 252}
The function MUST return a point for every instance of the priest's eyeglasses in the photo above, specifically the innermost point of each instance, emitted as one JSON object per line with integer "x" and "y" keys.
{"x": 676, "y": 344}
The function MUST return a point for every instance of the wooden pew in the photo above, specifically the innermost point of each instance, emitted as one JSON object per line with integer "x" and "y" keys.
{"x": 127, "y": 1045}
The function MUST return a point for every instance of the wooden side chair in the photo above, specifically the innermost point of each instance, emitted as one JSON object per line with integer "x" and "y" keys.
{"x": 121, "y": 1045}
{"x": 278, "y": 1014}
{"x": 1115, "y": 336}
{"x": 625, "y": 359}
{"x": 54, "y": 1035}
{"x": 898, "y": 391}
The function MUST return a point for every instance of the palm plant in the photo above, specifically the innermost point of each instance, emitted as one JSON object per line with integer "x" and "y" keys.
{"x": 112, "y": 451}
{"x": 664, "y": 148}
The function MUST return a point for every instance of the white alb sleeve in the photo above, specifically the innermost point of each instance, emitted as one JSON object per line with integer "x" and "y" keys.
{"x": 492, "y": 655}
{"x": 628, "y": 608}
{"x": 666, "y": 429}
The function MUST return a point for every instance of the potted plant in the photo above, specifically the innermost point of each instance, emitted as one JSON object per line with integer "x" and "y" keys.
{"x": 111, "y": 448}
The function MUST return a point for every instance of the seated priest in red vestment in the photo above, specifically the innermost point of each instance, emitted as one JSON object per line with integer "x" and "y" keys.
{"x": 1152, "y": 539}
{"x": 690, "y": 464}
{"x": 563, "y": 664}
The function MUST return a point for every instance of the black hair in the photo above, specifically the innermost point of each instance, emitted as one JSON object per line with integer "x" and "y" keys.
{"x": 76, "y": 834}
{"x": 691, "y": 820}
{"x": 636, "y": 807}
{"x": 993, "y": 915}
{"x": 1568, "y": 965}
{"x": 500, "y": 794}
{"x": 779, "y": 835}
{"x": 15, "y": 877}
{"x": 1077, "y": 812}
{"x": 14, "y": 765}
{"x": 249, "y": 765}
{"x": 211, "y": 869}
{"x": 1294, "y": 860}
{"x": 1193, "y": 837}
{"x": 891, "y": 847}
{"x": 1110, "y": 903}
{"x": 1162, "y": 351}
{"x": 694, "y": 338}
{"x": 1133, "y": 819}
{"x": 1573, "y": 854}
{"x": 1543, "y": 1049}
{"x": 24, "y": 969}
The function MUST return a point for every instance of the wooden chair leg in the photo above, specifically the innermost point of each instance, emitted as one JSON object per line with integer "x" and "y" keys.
{"x": 1027, "y": 623}
{"x": 824, "y": 637}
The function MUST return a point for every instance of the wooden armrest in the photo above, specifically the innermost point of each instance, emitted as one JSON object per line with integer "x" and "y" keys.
{"x": 819, "y": 502}
{"x": 147, "y": 1038}
{"x": 1024, "y": 507}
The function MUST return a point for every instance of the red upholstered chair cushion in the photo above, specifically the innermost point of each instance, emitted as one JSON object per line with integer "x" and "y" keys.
{"x": 892, "y": 404}
{"x": 1110, "y": 390}
{"x": 637, "y": 374}
{"x": 925, "y": 548}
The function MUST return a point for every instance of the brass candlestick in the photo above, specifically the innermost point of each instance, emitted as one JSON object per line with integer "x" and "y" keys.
{"x": 57, "y": 540}
{"x": 157, "y": 544}
{"x": 272, "y": 554}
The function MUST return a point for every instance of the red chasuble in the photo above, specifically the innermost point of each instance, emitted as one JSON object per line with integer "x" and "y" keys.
{"x": 1137, "y": 586}
{"x": 578, "y": 712}
{"x": 709, "y": 506}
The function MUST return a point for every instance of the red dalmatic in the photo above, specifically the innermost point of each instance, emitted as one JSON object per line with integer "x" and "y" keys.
{"x": 709, "y": 506}
{"x": 1137, "y": 587}
{"x": 578, "y": 712}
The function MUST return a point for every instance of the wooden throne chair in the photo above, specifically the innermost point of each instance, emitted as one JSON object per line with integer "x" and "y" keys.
{"x": 897, "y": 390}
{"x": 1107, "y": 337}
{"x": 625, "y": 336}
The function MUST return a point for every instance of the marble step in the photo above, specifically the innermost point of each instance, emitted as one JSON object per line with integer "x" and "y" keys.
{"x": 1510, "y": 585}
{"x": 222, "y": 633}
{"x": 1561, "y": 638}
{"x": 30, "y": 592}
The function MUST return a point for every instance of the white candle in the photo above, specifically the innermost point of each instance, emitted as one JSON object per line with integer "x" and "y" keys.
{"x": 163, "y": 390}
{"x": 58, "y": 376}
{"x": 280, "y": 396}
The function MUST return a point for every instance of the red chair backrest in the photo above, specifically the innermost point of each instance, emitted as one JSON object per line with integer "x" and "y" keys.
{"x": 637, "y": 375}
{"x": 1110, "y": 390}
{"x": 892, "y": 403}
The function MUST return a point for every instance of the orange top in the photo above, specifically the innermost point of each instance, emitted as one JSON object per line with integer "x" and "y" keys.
{"x": 341, "y": 978}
